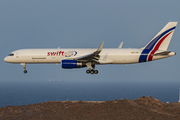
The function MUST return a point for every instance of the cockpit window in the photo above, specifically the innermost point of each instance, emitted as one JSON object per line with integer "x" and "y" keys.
{"x": 11, "y": 54}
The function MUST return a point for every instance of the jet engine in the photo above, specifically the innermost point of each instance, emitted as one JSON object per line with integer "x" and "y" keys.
{"x": 69, "y": 64}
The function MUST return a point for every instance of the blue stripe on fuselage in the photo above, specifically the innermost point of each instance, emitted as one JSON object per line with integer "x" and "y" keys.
{"x": 150, "y": 46}
{"x": 144, "y": 55}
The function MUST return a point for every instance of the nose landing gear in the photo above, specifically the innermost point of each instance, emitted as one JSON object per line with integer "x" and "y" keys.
{"x": 25, "y": 71}
{"x": 24, "y": 67}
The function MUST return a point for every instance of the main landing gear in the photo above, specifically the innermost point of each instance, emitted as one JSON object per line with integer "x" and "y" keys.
{"x": 24, "y": 67}
{"x": 92, "y": 71}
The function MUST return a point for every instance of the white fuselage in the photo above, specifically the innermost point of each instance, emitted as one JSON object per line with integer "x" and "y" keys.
{"x": 107, "y": 56}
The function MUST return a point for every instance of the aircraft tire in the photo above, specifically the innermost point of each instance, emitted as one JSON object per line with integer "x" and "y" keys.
{"x": 92, "y": 71}
{"x": 96, "y": 71}
{"x": 88, "y": 71}
{"x": 25, "y": 71}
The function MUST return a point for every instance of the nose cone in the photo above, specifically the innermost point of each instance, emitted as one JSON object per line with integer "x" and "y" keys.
{"x": 6, "y": 59}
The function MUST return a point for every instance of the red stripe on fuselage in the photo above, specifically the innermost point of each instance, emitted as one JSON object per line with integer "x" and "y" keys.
{"x": 157, "y": 47}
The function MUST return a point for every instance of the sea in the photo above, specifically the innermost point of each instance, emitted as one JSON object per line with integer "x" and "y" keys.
{"x": 26, "y": 92}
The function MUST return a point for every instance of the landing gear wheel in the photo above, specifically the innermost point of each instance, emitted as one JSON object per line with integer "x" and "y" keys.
{"x": 25, "y": 71}
{"x": 92, "y": 71}
{"x": 96, "y": 71}
{"x": 88, "y": 71}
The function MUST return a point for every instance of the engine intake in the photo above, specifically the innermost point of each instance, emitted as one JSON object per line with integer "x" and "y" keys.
{"x": 69, "y": 64}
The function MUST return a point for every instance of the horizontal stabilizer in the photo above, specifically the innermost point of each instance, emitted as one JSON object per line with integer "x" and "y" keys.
{"x": 162, "y": 53}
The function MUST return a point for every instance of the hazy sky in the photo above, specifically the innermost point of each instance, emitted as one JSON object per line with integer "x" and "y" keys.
{"x": 85, "y": 24}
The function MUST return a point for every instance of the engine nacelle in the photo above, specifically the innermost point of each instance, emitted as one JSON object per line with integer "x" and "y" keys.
{"x": 69, "y": 64}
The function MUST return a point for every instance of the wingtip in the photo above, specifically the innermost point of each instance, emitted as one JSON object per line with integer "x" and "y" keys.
{"x": 101, "y": 46}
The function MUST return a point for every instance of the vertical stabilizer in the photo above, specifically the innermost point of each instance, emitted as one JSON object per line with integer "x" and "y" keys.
{"x": 167, "y": 38}
{"x": 159, "y": 42}
{"x": 163, "y": 38}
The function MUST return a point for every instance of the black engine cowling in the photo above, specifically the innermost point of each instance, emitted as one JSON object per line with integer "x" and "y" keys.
{"x": 69, "y": 64}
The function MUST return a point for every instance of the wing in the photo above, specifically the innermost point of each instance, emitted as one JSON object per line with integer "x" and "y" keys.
{"x": 93, "y": 57}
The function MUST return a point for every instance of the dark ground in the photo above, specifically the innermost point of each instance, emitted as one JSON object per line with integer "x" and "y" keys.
{"x": 145, "y": 108}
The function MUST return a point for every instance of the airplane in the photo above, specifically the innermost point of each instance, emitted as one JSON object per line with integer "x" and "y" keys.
{"x": 78, "y": 58}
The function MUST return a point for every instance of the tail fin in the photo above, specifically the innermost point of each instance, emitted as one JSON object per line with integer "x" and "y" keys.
{"x": 159, "y": 42}
{"x": 162, "y": 39}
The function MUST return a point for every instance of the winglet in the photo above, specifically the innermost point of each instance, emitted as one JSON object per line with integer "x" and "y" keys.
{"x": 120, "y": 46}
{"x": 100, "y": 47}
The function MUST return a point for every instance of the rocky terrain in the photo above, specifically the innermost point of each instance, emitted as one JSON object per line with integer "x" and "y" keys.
{"x": 145, "y": 108}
